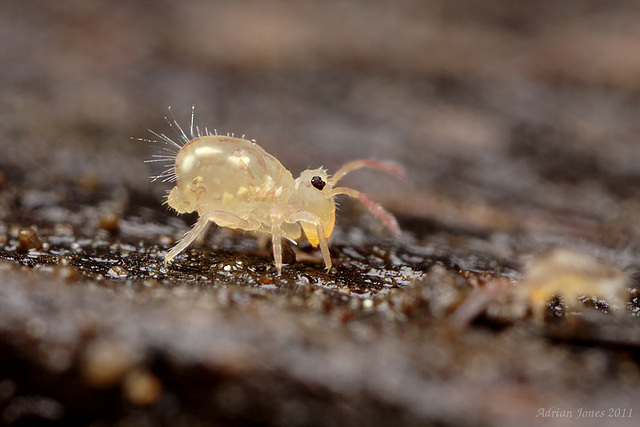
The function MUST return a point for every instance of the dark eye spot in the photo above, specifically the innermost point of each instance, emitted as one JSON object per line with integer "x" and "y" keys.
{"x": 317, "y": 182}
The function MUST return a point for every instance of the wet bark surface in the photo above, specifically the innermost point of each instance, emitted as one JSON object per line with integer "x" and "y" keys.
{"x": 512, "y": 295}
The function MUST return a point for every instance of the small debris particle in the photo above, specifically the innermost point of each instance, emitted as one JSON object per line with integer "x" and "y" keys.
{"x": 7, "y": 389}
{"x": 344, "y": 290}
{"x": 110, "y": 222}
{"x": 66, "y": 272}
{"x": 36, "y": 327}
{"x": 28, "y": 239}
{"x": 118, "y": 272}
{"x": 150, "y": 283}
{"x": 105, "y": 364}
{"x": 164, "y": 240}
{"x": 142, "y": 388}
{"x": 89, "y": 181}
{"x": 266, "y": 280}
{"x": 63, "y": 229}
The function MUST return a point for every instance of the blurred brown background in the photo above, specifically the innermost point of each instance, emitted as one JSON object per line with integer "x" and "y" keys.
{"x": 506, "y": 104}
{"x": 519, "y": 125}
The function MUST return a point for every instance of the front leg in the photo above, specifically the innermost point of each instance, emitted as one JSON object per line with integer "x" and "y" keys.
{"x": 314, "y": 219}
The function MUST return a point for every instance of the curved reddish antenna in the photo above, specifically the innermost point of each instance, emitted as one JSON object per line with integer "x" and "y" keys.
{"x": 383, "y": 215}
{"x": 390, "y": 167}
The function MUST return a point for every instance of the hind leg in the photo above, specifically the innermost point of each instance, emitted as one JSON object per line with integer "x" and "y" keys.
{"x": 224, "y": 219}
{"x": 276, "y": 246}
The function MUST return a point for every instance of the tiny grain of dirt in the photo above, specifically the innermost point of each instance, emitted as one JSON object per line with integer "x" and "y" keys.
{"x": 512, "y": 297}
